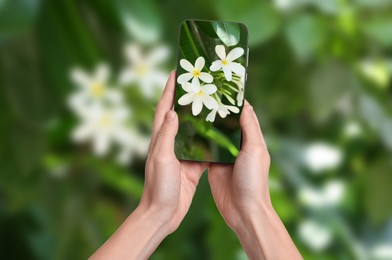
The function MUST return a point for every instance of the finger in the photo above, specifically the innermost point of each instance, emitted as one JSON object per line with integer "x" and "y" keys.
{"x": 194, "y": 170}
{"x": 164, "y": 105}
{"x": 258, "y": 123}
{"x": 251, "y": 133}
{"x": 164, "y": 144}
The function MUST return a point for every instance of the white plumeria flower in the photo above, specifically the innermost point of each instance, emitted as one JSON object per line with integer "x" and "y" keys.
{"x": 330, "y": 195}
{"x": 240, "y": 93}
{"x": 314, "y": 234}
{"x": 102, "y": 126}
{"x": 226, "y": 63}
{"x": 321, "y": 156}
{"x": 198, "y": 95}
{"x": 223, "y": 110}
{"x": 144, "y": 69}
{"x": 92, "y": 88}
{"x": 194, "y": 72}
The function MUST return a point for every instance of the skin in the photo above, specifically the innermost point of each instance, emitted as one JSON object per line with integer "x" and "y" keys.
{"x": 240, "y": 192}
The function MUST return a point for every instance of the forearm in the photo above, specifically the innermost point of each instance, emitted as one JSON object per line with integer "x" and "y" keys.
{"x": 263, "y": 236}
{"x": 136, "y": 238}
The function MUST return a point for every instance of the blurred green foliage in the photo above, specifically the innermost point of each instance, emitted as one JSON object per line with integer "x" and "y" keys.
{"x": 314, "y": 67}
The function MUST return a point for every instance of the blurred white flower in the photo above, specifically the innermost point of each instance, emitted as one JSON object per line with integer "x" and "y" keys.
{"x": 223, "y": 110}
{"x": 322, "y": 156}
{"x": 194, "y": 72}
{"x": 133, "y": 144}
{"x": 382, "y": 252}
{"x": 226, "y": 63}
{"x": 284, "y": 5}
{"x": 376, "y": 71}
{"x": 198, "y": 96}
{"x": 93, "y": 88}
{"x": 102, "y": 126}
{"x": 144, "y": 70}
{"x": 331, "y": 194}
{"x": 352, "y": 129}
{"x": 314, "y": 234}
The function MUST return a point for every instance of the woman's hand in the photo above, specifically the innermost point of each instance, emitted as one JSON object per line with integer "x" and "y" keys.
{"x": 168, "y": 190}
{"x": 242, "y": 196}
{"x": 169, "y": 183}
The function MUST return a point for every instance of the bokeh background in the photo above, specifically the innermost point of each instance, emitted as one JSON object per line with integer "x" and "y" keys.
{"x": 72, "y": 161}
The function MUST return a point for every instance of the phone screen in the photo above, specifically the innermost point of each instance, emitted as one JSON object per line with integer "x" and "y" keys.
{"x": 210, "y": 84}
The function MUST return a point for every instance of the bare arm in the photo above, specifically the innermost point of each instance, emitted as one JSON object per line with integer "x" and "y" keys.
{"x": 168, "y": 191}
{"x": 242, "y": 196}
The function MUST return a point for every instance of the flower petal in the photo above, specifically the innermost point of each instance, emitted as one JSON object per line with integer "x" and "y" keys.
{"x": 206, "y": 77}
{"x": 233, "y": 109}
{"x": 220, "y": 51}
{"x": 133, "y": 53}
{"x": 79, "y": 77}
{"x": 158, "y": 55}
{"x": 227, "y": 72}
{"x": 184, "y": 77}
{"x": 102, "y": 73}
{"x": 186, "y": 99}
{"x": 127, "y": 76}
{"x": 195, "y": 82}
{"x": 237, "y": 68}
{"x": 240, "y": 97}
{"x": 197, "y": 105}
{"x": 209, "y": 88}
{"x": 101, "y": 144}
{"x": 199, "y": 64}
{"x": 216, "y": 65}
{"x": 235, "y": 54}
{"x": 188, "y": 87}
{"x": 209, "y": 101}
{"x": 211, "y": 116}
{"x": 186, "y": 65}
{"x": 223, "y": 112}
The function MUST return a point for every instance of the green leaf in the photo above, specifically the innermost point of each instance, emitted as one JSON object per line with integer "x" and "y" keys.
{"x": 261, "y": 18}
{"x": 380, "y": 30}
{"x": 306, "y": 35}
{"x": 16, "y": 17}
{"x": 229, "y": 33}
{"x": 141, "y": 19}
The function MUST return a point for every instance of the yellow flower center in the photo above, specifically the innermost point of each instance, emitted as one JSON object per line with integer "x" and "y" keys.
{"x": 97, "y": 90}
{"x": 196, "y": 73}
{"x": 141, "y": 70}
{"x": 200, "y": 93}
{"x": 225, "y": 62}
{"x": 105, "y": 120}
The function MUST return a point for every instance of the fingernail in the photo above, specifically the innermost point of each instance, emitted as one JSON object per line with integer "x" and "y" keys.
{"x": 170, "y": 115}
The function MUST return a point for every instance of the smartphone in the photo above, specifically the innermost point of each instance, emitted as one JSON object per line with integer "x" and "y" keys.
{"x": 210, "y": 85}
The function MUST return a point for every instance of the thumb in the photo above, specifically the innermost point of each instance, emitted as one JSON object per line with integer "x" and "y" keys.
{"x": 165, "y": 140}
{"x": 251, "y": 133}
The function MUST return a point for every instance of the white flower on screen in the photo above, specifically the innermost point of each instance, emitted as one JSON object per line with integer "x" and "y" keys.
{"x": 321, "y": 156}
{"x": 223, "y": 110}
{"x": 240, "y": 93}
{"x": 92, "y": 89}
{"x": 314, "y": 234}
{"x": 144, "y": 69}
{"x": 198, "y": 96}
{"x": 133, "y": 144}
{"x": 101, "y": 126}
{"x": 226, "y": 63}
{"x": 330, "y": 195}
{"x": 194, "y": 72}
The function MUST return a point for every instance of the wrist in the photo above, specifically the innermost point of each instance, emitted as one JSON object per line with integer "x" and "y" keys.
{"x": 153, "y": 218}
